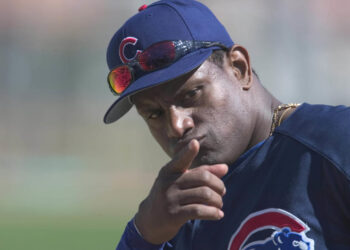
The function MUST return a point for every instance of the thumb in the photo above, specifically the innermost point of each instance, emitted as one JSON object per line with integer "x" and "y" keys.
{"x": 183, "y": 159}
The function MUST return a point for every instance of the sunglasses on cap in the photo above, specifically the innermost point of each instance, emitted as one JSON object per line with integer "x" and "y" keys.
{"x": 158, "y": 55}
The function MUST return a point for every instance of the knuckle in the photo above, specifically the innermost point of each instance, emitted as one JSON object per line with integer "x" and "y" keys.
{"x": 206, "y": 193}
{"x": 172, "y": 211}
{"x": 205, "y": 176}
{"x": 170, "y": 198}
{"x": 171, "y": 206}
{"x": 197, "y": 211}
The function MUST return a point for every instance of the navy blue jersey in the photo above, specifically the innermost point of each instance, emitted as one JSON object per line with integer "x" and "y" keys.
{"x": 291, "y": 191}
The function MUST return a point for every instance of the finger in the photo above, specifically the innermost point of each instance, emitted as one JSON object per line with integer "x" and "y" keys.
{"x": 202, "y": 212}
{"x": 201, "y": 177}
{"x": 200, "y": 195}
{"x": 218, "y": 170}
{"x": 183, "y": 159}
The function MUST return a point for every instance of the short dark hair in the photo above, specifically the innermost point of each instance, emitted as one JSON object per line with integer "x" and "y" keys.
{"x": 217, "y": 57}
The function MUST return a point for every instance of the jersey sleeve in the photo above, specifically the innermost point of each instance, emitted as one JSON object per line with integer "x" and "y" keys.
{"x": 132, "y": 240}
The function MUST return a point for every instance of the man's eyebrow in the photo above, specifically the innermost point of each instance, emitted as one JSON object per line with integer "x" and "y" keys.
{"x": 145, "y": 106}
{"x": 191, "y": 84}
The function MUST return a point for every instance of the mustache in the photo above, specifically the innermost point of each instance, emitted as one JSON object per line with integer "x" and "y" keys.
{"x": 182, "y": 142}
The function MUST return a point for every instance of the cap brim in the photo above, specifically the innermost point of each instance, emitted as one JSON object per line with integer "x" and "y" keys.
{"x": 184, "y": 65}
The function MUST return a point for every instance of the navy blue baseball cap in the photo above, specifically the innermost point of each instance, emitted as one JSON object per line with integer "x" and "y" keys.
{"x": 161, "y": 21}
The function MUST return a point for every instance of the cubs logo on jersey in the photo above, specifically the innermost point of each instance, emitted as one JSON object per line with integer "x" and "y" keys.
{"x": 284, "y": 232}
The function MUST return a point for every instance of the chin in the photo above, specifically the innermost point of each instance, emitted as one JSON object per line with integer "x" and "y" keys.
{"x": 211, "y": 158}
{"x": 205, "y": 159}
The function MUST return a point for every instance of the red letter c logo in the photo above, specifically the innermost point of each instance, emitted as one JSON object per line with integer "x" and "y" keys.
{"x": 127, "y": 41}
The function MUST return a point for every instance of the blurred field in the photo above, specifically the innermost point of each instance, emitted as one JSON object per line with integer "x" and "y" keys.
{"x": 67, "y": 204}
{"x": 44, "y": 233}
{"x": 67, "y": 181}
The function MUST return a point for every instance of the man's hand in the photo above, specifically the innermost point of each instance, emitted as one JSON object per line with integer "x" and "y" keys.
{"x": 180, "y": 194}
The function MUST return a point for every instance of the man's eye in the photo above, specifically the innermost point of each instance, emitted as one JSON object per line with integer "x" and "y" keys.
{"x": 193, "y": 92}
{"x": 154, "y": 115}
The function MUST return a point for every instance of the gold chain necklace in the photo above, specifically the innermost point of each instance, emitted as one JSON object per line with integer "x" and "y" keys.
{"x": 277, "y": 117}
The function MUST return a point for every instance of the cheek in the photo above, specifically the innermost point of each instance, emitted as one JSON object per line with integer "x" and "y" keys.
{"x": 226, "y": 126}
{"x": 217, "y": 110}
{"x": 161, "y": 139}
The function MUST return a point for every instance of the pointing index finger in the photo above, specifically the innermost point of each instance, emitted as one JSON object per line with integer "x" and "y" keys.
{"x": 183, "y": 159}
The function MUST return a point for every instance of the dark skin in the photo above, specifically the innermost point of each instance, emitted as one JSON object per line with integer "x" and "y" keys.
{"x": 203, "y": 120}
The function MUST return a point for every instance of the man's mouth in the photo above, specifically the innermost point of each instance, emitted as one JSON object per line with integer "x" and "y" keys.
{"x": 183, "y": 143}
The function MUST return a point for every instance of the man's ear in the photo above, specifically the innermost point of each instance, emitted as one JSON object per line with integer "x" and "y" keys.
{"x": 240, "y": 63}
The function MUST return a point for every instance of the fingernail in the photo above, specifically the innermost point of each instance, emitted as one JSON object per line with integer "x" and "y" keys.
{"x": 190, "y": 145}
{"x": 221, "y": 214}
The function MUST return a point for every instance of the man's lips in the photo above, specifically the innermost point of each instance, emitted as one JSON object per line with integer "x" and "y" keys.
{"x": 182, "y": 143}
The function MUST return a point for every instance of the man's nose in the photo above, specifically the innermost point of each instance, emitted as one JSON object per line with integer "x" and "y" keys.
{"x": 179, "y": 122}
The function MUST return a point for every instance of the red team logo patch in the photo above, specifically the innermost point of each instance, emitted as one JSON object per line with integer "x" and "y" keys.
{"x": 288, "y": 232}
{"x": 127, "y": 42}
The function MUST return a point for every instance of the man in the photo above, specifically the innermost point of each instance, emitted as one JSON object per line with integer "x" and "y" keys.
{"x": 247, "y": 172}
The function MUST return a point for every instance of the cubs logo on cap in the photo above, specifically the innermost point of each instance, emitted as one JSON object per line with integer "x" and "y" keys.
{"x": 125, "y": 43}
{"x": 286, "y": 232}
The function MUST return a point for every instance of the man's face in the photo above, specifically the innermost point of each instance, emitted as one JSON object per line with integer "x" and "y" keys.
{"x": 207, "y": 104}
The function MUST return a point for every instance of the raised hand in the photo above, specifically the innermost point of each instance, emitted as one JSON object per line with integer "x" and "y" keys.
{"x": 180, "y": 194}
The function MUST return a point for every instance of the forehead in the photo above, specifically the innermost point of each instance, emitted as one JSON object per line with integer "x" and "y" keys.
{"x": 170, "y": 89}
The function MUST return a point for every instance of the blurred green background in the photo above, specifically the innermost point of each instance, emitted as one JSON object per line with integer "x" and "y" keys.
{"x": 67, "y": 181}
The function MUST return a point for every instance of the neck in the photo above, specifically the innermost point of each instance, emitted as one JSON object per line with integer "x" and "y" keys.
{"x": 263, "y": 108}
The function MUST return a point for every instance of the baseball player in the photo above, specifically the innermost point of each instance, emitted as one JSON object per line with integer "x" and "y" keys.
{"x": 247, "y": 171}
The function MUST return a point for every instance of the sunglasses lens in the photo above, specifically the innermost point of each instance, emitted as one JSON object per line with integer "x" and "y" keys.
{"x": 120, "y": 78}
{"x": 157, "y": 56}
